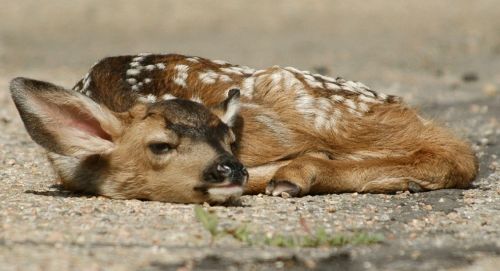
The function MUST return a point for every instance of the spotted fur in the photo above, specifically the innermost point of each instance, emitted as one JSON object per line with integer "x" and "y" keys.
{"x": 310, "y": 132}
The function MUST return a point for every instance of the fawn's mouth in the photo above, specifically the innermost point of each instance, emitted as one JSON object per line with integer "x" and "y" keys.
{"x": 224, "y": 193}
{"x": 221, "y": 192}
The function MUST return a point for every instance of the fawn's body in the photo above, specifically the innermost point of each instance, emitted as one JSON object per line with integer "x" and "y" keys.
{"x": 307, "y": 133}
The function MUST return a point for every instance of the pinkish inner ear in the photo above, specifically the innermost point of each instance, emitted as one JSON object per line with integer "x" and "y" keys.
{"x": 84, "y": 122}
{"x": 67, "y": 116}
{"x": 65, "y": 122}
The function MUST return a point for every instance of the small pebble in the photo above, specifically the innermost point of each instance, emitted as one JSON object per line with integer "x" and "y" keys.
{"x": 384, "y": 217}
{"x": 483, "y": 141}
{"x": 331, "y": 209}
{"x": 470, "y": 77}
{"x": 490, "y": 89}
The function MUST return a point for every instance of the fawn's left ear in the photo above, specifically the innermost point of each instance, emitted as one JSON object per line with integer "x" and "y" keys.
{"x": 64, "y": 121}
{"x": 229, "y": 109}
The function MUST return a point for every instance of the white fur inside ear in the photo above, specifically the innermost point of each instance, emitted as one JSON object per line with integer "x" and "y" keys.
{"x": 232, "y": 111}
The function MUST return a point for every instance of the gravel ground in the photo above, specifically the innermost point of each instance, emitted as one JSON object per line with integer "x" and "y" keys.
{"x": 443, "y": 57}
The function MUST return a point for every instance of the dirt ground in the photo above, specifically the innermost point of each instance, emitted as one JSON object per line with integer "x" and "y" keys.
{"x": 441, "y": 56}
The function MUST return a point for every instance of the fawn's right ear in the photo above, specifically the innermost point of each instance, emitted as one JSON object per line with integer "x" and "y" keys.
{"x": 63, "y": 121}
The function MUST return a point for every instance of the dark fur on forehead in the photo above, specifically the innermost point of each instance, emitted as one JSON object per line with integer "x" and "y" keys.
{"x": 188, "y": 118}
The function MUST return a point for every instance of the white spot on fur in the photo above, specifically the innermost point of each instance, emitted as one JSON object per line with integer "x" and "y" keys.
{"x": 132, "y": 72}
{"x": 131, "y": 81}
{"x": 324, "y": 107}
{"x": 151, "y": 98}
{"x": 351, "y": 104}
{"x": 168, "y": 96}
{"x": 147, "y": 80}
{"x": 363, "y": 107}
{"x": 232, "y": 70}
{"x": 271, "y": 120}
{"x": 305, "y": 103}
{"x": 309, "y": 77}
{"x": 294, "y": 70}
{"x": 366, "y": 92}
{"x": 138, "y": 59}
{"x": 337, "y": 114}
{"x": 134, "y": 64}
{"x": 135, "y": 87}
{"x": 326, "y": 78}
{"x": 337, "y": 98}
{"x": 361, "y": 85}
{"x": 320, "y": 121}
{"x": 225, "y": 78}
{"x": 259, "y": 72}
{"x": 355, "y": 84}
{"x": 324, "y": 104}
{"x": 160, "y": 66}
{"x": 247, "y": 70}
{"x": 276, "y": 77}
{"x": 249, "y": 105}
{"x": 347, "y": 87}
{"x": 290, "y": 81}
{"x": 182, "y": 68}
{"x": 248, "y": 86}
{"x": 192, "y": 59}
{"x": 220, "y": 62}
{"x": 208, "y": 77}
{"x": 332, "y": 86}
{"x": 196, "y": 99}
{"x": 181, "y": 75}
{"x": 314, "y": 83}
{"x": 366, "y": 99}
{"x": 150, "y": 67}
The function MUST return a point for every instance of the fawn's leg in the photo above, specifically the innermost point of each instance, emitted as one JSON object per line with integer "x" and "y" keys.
{"x": 260, "y": 176}
{"x": 419, "y": 171}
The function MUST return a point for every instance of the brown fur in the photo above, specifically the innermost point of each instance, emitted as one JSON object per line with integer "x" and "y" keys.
{"x": 307, "y": 133}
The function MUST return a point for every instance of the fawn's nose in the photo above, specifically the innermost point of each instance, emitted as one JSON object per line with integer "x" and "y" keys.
{"x": 224, "y": 170}
{"x": 227, "y": 170}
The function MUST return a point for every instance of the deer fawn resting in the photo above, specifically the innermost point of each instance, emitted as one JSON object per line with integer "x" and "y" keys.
{"x": 175, "y": 128}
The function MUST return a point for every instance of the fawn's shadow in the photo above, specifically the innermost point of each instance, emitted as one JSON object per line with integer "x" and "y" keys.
{"x": 56, "y": 190}
{"x": 59, "y": 191}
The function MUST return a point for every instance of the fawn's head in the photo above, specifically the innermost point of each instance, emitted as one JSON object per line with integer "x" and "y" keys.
{"x": 174, "y": 150}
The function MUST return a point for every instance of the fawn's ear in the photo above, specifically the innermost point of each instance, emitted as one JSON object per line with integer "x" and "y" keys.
{"x": 63, "y": 121}
{"x": 229, "y": 109}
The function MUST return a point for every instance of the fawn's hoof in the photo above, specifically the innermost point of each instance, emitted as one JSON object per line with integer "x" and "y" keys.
{"x": 414, "y": 187}
{"x": 283, "y": 189}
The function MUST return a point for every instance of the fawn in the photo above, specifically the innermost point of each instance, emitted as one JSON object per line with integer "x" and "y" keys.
{"x": 188, "y": 129}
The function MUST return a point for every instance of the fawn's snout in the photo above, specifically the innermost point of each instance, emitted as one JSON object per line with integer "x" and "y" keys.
{"x": 226, "y": 171}
{"x": 224, "y": 179}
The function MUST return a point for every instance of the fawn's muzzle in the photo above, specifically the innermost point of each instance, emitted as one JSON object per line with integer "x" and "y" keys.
{"x": 227, "y": 169}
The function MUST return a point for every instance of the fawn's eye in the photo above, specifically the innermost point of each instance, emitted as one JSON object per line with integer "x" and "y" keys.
{"x": 160, "y": 148}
